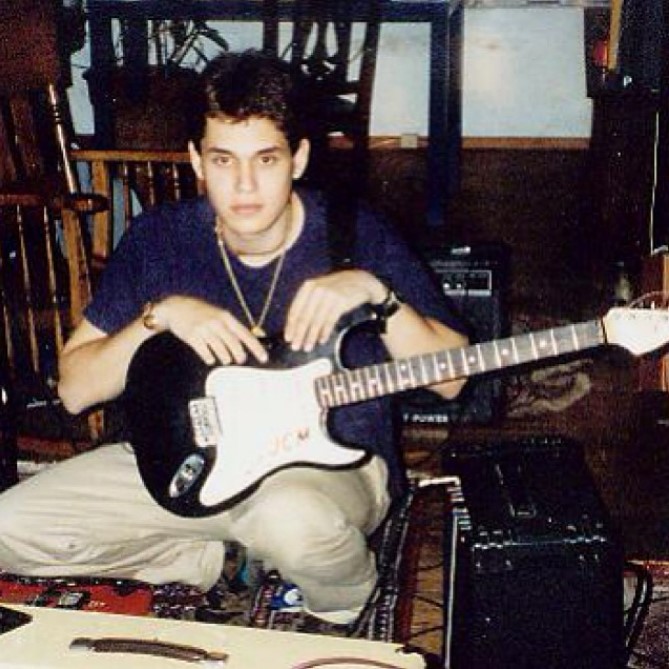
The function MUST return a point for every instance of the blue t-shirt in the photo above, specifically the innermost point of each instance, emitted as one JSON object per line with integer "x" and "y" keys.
{"x": 173, "y": 250}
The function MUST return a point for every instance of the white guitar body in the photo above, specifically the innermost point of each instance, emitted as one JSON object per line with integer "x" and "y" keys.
{"x": 268, "y": 419}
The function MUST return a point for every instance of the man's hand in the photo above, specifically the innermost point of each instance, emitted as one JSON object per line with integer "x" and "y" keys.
{"x": 321, "y": 302}
{"x": 213, "y": 333}
{"x": 93, "y": 364}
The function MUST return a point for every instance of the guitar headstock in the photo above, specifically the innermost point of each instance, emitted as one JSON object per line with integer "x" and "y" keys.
{"x": 640, "y": 327}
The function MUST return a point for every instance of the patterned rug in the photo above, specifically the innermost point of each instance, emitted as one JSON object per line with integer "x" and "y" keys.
{"x": 549, "y": 388}
{"x": 246, "y": 595}
{"x": 650, "y": 650}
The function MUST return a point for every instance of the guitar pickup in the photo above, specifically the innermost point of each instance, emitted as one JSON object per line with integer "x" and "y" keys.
{"x": 205, "y": 422}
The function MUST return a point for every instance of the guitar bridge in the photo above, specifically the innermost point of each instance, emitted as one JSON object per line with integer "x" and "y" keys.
{"x": 204, "y": 421}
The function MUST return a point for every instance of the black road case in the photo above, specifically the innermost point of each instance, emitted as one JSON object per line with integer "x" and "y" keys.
{"x": 536, "y": 577}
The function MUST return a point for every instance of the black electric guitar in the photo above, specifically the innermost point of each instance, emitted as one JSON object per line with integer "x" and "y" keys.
{"x": 206, "y": 436}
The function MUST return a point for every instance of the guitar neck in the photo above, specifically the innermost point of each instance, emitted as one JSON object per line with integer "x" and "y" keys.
{"x": 419, "y": 371}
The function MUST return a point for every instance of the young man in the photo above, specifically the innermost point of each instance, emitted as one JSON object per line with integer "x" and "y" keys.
{"x": 250, "y": 258}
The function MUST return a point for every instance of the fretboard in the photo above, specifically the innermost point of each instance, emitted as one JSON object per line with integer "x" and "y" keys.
{"x": 420, "y": 371}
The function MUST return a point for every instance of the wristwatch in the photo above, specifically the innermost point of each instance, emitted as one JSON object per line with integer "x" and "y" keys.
{"x": 389, "y": 307}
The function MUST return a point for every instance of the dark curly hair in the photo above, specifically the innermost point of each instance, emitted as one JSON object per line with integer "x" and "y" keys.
{"x": 249, "y": 84}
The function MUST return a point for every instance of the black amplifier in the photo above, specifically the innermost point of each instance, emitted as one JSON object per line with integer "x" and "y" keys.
{"x": 475, "y": 280}
{"x": 536, "y": 568}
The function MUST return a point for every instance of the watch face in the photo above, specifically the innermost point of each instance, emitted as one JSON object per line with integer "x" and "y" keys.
{"x": 387, "y": 308}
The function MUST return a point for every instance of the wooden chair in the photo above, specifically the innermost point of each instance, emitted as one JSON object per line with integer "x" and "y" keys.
{"x": 44, "y": 281}
{"x": 130, "y": 181}
{"x": 41, "y": 256}
{"x": 35, "y": 124}
{"x": 340, "y": 74}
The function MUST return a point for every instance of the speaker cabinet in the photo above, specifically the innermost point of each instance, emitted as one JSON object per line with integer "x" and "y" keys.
{"x": 537, "y": 568}
{"x": 640, "y": 48}
{"x": 474, "y": 279}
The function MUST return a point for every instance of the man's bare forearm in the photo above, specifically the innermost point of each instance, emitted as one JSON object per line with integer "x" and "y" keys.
{"x": 408, "y": 333}
{"x": 93, "y": 366}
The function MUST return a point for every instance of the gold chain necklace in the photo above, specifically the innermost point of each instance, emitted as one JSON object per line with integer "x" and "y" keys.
{"x": 256, "y": 325}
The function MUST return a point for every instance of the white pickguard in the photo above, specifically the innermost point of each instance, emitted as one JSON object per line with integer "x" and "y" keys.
{"x": 268, "y": 419}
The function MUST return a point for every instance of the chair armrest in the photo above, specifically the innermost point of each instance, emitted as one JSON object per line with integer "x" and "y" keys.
{"x": 41, "y": 194}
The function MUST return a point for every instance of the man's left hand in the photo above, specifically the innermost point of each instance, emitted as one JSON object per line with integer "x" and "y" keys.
{"x": 321, "y": 302}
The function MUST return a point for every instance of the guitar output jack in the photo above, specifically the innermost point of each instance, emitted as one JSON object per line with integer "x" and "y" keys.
{"x": 186, "y": 476}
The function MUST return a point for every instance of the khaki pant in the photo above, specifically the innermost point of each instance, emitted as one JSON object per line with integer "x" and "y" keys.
{"x": 92, "y": 516}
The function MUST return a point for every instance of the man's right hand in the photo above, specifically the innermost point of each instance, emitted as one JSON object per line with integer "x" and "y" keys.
{"x": 93, "y": 364}
{"x": 213, "y": 333}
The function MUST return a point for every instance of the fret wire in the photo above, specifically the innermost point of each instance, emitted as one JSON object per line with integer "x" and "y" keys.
{"x": 481, "y": 356}
{"x": 394, "y": 371}
{"x": 361, "y": 384}
{"x": 456, "y": 366}
{"x": 323, "y": 391}
{"x": 563, "y": 344}
{"x": 423, "y": 370}
{"x": 556, "y": 346}
{"x": 532, "y": 341}
{"x": 405, "y": 376}
{"x": 332, "y": 391}
{"x": 407, "y": 369}
{"x": 539, "y": 344}
{"x": 417, "y": 376}
{"x": 514, "y": 350}
{"x": 520, "y": 346}
{"x": 340, "y": 393}
{"x": 451, "y": 367}
{"x": 348, "y": 385}
{"x": 398, "y": 373}
{"x": 391, "y": 370}
{"x": 387, "y": 375}
{"x": 398, "y": 376}
{"x": 465, "y": 364}
{"x": 414, "y": 369}
{"x": 373, "y": 381}
{"x": 438, "y": 365}
{"x": 498, "y": 356}
{"x": 358, "y": 388}
{"x": 575, "y": 337}
{"x": 443, "y": 365}
{"x": 426, "y": 373}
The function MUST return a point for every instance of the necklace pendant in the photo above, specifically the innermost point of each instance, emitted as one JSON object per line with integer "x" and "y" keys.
{"x": 257, "y": 331}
